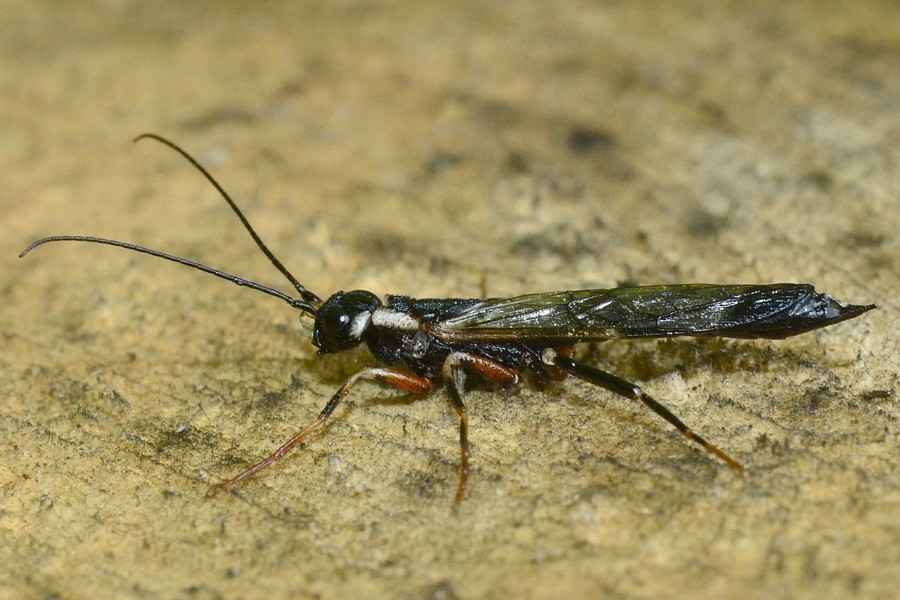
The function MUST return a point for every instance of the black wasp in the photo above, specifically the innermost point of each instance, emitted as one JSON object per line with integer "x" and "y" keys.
{"x": 421, "y": 340}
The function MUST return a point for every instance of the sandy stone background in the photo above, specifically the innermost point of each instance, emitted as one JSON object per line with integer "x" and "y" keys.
{"x": 444, "y": 149}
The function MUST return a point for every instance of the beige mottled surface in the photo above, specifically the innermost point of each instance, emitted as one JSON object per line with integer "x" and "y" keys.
{"x": 432, "y": 149}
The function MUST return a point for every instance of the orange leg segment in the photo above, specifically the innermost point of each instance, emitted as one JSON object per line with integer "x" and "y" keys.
{"x": 454, "y": 376}
{"x": 392, "y": 377}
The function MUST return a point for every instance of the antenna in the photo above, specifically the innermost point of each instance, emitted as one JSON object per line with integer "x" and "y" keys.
{"x": 240, "y": 281}
{"x": 304, "y": 293}
{"x": 309, "y": 302}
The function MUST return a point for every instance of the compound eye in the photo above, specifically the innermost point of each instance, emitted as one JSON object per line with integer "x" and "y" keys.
{"x": 342, "y": 320}
{"x": 332, "y": 330}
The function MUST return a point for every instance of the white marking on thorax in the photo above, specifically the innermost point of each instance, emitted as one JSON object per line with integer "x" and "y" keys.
{"x": 394, "y": 319}
{"x": 359, "y": 324}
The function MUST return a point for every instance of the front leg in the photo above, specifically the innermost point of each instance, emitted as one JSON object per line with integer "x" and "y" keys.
{"x": 393, "y": 377}
{"x": 455, "y": 377}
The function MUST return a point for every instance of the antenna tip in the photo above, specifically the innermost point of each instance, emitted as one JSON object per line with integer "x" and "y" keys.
{"x": 30, "y": 247}
{"x": 152, "y": 136}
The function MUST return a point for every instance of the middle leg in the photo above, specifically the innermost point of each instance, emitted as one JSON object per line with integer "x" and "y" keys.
{"x": 455, "y": 377}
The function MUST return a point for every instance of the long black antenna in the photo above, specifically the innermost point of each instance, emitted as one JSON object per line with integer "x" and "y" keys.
{"x": 308, "y": 304}
{"x": 294, "y": 302}
{"x": 310, "y": 298}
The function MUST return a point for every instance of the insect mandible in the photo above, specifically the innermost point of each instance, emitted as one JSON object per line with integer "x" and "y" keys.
{"x": 421, "y": 341}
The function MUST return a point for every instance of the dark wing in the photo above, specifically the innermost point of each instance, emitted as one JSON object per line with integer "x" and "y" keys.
{"x": 556, "y": 318}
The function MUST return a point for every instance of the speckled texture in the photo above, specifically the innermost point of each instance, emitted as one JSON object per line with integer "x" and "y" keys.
{"x": 444, "y": 149}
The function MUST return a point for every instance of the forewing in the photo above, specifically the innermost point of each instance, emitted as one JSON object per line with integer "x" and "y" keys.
{"x": 556, "y": 318}
{"x": 544, "y": 317}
